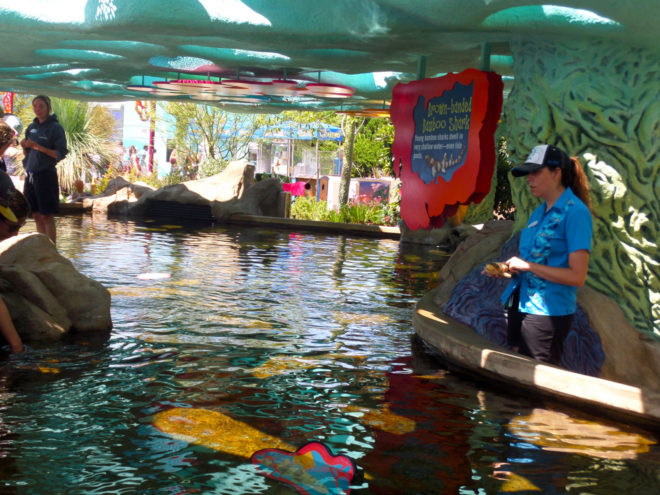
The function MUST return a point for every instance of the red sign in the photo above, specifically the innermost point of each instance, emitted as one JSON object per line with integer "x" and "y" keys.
{"x": 8, "y": 102}
{"x": 444, "y": 143}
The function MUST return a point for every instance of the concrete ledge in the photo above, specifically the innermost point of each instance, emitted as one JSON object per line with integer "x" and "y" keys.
{"x": 69, "y": 208}
{"x": 314, "y": 226}
{"x": 461, "y": 346}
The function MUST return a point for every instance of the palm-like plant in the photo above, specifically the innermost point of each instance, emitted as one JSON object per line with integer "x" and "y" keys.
{"x": 89, "y": 131}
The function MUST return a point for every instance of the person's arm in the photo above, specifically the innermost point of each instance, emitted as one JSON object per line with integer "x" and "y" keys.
{"x": 575, "y": 274}
{"x": 8, "y": 330}
{"x": 57, "y": 140}
{"x": 29, "y": 144}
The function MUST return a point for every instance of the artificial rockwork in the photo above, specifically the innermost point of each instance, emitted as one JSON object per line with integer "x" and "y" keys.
{"x": 231, "y": 192}
{"x": 598, "y": 100}
{"x": 45, "y": 294}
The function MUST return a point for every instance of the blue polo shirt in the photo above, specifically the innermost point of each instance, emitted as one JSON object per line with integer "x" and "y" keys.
{"x": 573, "y": 233}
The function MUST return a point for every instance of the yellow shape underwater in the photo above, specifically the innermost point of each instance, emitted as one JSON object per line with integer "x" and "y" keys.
{"x": 384, "y": 420}
{"x": 559, "y": 432}
{"x": 517, "y": 483}
{"x": 216, "y": 431}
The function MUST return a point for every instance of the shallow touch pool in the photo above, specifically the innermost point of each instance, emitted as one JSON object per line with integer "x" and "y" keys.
{"x": 265, "y": 338}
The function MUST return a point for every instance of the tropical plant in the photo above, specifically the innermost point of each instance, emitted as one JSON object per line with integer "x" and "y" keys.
{"x": 89, "y": 131}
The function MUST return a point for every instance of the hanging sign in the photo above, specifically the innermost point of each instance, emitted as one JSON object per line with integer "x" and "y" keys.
{"x": 8, "y": 102}
{"x": 444, "y": 143}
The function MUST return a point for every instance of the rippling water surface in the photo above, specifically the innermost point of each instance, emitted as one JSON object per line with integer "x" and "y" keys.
{"x": 264, "y": 338}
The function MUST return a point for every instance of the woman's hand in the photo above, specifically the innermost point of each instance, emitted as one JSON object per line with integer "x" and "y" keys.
{"x": 496, "y": 269}
{"x": 28, "y": 143}
{"x": 575, "y": 274}
{"x": 517, "y": 265}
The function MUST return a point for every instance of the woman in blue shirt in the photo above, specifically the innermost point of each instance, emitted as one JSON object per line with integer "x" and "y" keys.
{"x": 554, "y": 255}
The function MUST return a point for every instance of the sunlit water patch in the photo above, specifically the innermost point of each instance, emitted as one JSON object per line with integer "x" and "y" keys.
{"x": 263, "y": 339}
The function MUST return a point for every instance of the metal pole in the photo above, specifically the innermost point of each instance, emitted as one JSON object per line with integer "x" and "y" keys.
{"x": 485, "y": 57}
{"x": 421, "y": 67}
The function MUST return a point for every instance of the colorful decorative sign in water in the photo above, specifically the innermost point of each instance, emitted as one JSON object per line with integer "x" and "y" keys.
{"x": 312, "y": 469}
{"x": 444, "y": 144}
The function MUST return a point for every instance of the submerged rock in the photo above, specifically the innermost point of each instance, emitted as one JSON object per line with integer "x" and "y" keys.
{"x": 45, "y": 294}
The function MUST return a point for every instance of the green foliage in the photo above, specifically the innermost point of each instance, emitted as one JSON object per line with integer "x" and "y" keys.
{"x": 498, "y": 202}
{"x": 372, "y": 155}
{"x": 211, "y": 166}
{"x": 503, "y": 201}
{"x": 376, "y": 213}
{"x": 102, "y": 184}
{"x": 306, "y": 208}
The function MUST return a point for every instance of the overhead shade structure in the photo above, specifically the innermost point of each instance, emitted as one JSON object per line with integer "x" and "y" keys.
{"x": 290, "y": 55}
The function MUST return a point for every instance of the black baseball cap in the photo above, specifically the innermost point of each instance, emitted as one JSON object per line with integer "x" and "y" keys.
{"x": 543, "y": 155}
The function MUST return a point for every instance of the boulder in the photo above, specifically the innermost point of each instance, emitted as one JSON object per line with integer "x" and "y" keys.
{"x": 482, "y": 246}
{"x": 118, "y": 195}
{"x": 228, "y": 185}
{"x": 264, "y": 198}
{"x": 46, "y": 296}
{"x": 448, "y": 236}
{"x": 233, "y": 191}
{"x": 631, "y": 356}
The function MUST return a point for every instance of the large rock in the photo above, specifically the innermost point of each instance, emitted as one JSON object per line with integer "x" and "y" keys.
{"x": 265, "y": 198}
{"x": 118, "y": 195}
{"x": 482, "y": 246}
{"x": 46, "y": 296}
{"x": 448, "y": 236}
{"x": 229, "y": 184}
{"x": 233, "y": 191}
{"x": 630, "y": 356}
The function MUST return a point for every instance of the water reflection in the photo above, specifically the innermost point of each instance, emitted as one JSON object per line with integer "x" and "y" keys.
{"x": 271, "y": 338}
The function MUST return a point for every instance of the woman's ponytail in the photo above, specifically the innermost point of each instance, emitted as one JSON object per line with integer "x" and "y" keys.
{"x": 575, "y": 178}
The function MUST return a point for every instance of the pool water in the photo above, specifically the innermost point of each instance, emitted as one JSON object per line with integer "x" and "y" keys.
{"x": 259, "y": 338}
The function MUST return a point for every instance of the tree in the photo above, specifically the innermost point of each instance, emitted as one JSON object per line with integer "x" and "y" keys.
{"x": 207, "y": 137}
{"x": 373, "y": 149}
{"x": 350, "y": 126}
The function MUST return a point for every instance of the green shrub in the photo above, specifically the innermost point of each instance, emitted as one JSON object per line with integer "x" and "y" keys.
{"x": 306, "y": 208}
{"x": 377, "y": 213}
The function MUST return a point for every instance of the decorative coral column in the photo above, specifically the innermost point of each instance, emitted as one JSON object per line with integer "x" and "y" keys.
{"x": 599, "y": 101}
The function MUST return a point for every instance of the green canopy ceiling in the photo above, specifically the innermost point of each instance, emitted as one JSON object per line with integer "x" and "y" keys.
{"x": 110, "y": 50}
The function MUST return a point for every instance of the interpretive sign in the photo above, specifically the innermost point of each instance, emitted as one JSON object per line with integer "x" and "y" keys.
{"x": 444, "y": 143}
